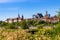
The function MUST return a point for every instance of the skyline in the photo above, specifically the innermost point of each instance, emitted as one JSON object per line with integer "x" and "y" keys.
{"x": 9, "y": 8}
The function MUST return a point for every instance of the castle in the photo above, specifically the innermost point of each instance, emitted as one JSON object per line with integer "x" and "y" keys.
{"x": 46, "y": 18}
{"x": 39, "y": 16}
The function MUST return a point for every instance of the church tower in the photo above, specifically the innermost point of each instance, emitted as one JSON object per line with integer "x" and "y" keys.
{"x": 46, "y": 13}
{"x": 22, "y": 17}
{"x": 18, "y": 15}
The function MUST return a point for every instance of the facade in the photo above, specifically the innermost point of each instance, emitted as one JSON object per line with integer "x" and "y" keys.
{"x": 18, "y": 19}
{"x": 47, "y": 18}
{"x": 9, "y": 20}
{"x": 39, "y": 16}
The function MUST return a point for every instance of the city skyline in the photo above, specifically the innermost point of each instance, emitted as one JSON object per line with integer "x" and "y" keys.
{"x": 9, "y": 8}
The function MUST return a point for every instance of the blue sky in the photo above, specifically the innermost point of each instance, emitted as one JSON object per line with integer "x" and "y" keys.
{"x": 9, "y": 8}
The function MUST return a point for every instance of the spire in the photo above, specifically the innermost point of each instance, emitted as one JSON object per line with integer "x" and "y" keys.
{"x": 22, "y": 17}
{"x": 46, "y": 13}
{"x": 18, "y": 15}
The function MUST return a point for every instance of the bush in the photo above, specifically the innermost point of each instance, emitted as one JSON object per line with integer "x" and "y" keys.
{"x": 40, "y": 26}
{"x": 23, "y": 24}
{"x": 11, "y": 26}
{"x": 57, "y": 29}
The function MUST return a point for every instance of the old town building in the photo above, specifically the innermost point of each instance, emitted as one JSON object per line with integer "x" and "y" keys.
{"x": 38, "y": 16}
{"x": 18, "y": 19}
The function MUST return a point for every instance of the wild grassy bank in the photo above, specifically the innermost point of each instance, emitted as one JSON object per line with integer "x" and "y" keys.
{"x": 14, "y": 34}
{"x": 22, "y": 30}
{"x": 46, "y": 33}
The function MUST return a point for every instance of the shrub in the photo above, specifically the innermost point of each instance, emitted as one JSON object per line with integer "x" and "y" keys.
{"x": 11, "y": 26}
{"x": 57, "y": 28}
{"x": 23, "y": 24}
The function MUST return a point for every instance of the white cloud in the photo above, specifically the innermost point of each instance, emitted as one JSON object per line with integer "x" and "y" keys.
{"x": 7, "y": 1}
{"x": 3, "y": 1}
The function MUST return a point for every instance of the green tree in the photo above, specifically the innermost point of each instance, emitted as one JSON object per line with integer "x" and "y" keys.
{"x": 11, "y": 26}
{"x": 58, "y": 13}
{"x": 23, "y": 24}
{"x": 2, "y": 24}
{"x": 57, "y": 28}
{"x": 38, "y": 22}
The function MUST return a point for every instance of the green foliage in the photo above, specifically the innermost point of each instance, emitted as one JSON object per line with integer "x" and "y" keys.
{"x": 23, "y": 24}
{"x": 31, "y": 22}
{"x": 11, "y": 26}
{"x": 50, "y": 33}
{"x": 3, "y": 23}
{"x": 58, "y": 24}
{"x": 32, "y": 31}
{"x": 57, "y": 28}
{"x": 40, "y": 26}
{"x": 58, "y": 13}
{"x": 38, "y": 22}
{"x": 45, "y": 33}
